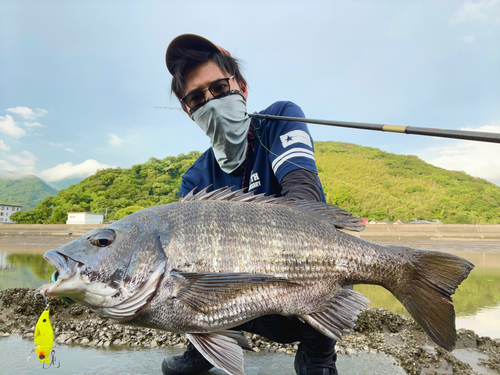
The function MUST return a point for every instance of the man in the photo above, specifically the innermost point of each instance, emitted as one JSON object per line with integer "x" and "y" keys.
{"x": 271, "y": 157}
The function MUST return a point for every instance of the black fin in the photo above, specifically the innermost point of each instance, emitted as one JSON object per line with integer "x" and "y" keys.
{"x": 204, "y": 290}
{"x": 340, "y": 218}
{"x": 340, "y": 315}
{"x": 426, "y": 292}
{"x": 222, "y": 349}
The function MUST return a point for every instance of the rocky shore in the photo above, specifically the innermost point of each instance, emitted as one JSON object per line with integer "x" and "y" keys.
{"x": 377, "y": 331}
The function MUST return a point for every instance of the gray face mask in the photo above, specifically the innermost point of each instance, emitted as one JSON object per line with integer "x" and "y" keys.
{"x": 226, "y": 123}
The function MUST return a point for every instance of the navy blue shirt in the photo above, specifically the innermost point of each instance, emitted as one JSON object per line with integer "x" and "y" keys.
{"x": 278, "y": 148}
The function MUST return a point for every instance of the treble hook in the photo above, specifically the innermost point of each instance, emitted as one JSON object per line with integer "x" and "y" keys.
{"x": 44, "y": 298}
{"x": 53, "y": 361}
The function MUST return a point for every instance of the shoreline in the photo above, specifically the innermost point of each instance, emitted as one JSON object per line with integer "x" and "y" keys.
{"x": 378, "y": 332}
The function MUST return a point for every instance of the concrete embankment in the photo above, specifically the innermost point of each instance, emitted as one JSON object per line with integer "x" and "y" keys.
{"x": 482, "y": 232}
{"x": 48, "y": 229}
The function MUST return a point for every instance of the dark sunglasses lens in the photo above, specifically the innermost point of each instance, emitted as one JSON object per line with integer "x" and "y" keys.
{"x": 220, "y": 87}
{"x": 194, "y": 99}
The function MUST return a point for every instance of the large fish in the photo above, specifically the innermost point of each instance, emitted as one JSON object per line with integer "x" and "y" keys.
{"x": 215, "y": 260}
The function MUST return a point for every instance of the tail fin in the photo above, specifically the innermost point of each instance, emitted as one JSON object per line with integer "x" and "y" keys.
{"x": 426, "y": 292}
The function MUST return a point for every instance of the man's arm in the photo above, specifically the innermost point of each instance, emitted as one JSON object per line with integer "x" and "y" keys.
{"x": 301, "y": 184}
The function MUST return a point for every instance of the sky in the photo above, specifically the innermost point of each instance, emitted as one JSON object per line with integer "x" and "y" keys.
{"x": 81, "y": 81}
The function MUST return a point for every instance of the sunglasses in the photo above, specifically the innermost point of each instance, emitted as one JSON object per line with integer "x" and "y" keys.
{"x": 197, "y": 98}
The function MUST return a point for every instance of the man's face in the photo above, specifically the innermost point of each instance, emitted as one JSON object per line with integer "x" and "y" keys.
{"x": 202, "y": 75}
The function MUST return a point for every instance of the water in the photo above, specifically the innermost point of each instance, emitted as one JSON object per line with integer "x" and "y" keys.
{"x": 477, "y": 300}
{"x": 110, "y": 361}
{"x": 24, "y": 266}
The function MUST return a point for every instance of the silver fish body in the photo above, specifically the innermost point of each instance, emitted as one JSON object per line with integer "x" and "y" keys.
{"x": 215, "y": 260}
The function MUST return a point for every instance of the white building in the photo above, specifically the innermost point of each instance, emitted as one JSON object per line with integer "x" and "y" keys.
{"x": 6, "y": 210}
{"x": 84, "y": 218}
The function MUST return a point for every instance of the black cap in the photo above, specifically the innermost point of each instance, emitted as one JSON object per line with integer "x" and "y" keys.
{"x": 188, "y": 42}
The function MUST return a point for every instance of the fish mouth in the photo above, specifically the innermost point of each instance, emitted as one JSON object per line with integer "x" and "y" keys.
{"x": 67, "y": 273}
{"x": 65, "y": 266}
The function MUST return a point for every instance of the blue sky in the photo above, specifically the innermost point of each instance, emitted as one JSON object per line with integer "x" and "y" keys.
{"x": 79, "y": 80}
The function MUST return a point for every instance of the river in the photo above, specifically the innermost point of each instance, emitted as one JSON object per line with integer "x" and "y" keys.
{"x": 477, "y": 300}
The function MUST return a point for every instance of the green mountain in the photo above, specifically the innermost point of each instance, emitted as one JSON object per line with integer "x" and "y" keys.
{"x": 380, "y": 185}
{"x": 366, "y": 181}
{"x": 27, "y": 192}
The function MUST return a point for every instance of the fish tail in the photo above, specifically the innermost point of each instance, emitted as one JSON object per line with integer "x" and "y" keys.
{"x": 429, "y": 279}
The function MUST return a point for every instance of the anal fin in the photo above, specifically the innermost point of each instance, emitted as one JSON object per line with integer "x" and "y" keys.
{"x": 223, "y": 349}
{"x": 340, "y": 315}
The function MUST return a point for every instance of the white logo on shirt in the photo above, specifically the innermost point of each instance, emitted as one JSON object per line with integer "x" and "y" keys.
{"x": 295, "y": 136}
{"x": 254, "y": 181}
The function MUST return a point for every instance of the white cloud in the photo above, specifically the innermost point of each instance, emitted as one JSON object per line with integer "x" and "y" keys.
{"x": 32, "y": 124}
{"x": 28, "y": 113}
{"x": 12, "y": 172}
{"x": 27, "y": 160}
{"x": 60, "y": 145}
{"x": 3, "y": 146}
{"x": 70, "y": 170}
{"x": 8, "y": 126}
{"x": 114, "y": 140}
{"x": 486, "y": 11}
{"x": 479, "y": 159}
{"x": 8, "y": 171}
{"x": 6, "y": 166}
{"x": 468, "y": 38}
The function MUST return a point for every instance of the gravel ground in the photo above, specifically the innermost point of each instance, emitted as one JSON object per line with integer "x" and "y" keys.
{"x": 377, "y": 331}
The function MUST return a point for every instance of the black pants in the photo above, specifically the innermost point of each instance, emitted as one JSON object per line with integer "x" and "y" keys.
{"x": 286, "y": 329}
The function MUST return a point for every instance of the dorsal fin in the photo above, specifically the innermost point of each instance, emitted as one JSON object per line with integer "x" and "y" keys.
{"x": 341, "y": 218}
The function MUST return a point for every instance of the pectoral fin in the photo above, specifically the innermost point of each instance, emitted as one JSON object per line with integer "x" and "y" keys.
{"x": 340, "y": 315}
{"x": 203, "y": 291}
{"x": 222, "y": 349}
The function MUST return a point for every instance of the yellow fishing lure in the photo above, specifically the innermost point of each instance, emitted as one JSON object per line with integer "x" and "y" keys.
{"x": 44, "y": 338}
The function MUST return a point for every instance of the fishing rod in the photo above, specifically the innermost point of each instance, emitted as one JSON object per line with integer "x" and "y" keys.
{"x": 433, "y": 132}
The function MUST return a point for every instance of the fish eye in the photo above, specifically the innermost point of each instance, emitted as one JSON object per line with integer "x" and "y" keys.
{"x": 103, "y": 239}
{"x": 42, "y": 356}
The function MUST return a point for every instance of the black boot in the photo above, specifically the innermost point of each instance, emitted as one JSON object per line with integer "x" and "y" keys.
{"x": 190, "y": 363}
{"x": 315, "y": 363}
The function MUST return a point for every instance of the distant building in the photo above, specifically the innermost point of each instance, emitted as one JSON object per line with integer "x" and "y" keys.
{"x": 6, "y": 210}
{"x": 84, "y": 218}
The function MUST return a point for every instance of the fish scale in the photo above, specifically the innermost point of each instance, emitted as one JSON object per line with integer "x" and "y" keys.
{"x": 215, "y": 260}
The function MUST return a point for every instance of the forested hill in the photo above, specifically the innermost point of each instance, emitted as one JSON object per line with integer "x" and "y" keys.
{"x": 27, "y": 192}
{"x": 375, "y": 184}
{"x": 366, "y": 181}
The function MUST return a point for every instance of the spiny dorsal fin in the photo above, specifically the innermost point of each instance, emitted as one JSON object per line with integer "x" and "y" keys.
{"x": 341, "y": 218}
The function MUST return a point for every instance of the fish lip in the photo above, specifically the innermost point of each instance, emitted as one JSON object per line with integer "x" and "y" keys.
{"x": 64, "y": 265}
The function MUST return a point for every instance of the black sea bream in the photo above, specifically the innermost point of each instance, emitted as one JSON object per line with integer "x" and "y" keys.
{"x": 215, "y": 260}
